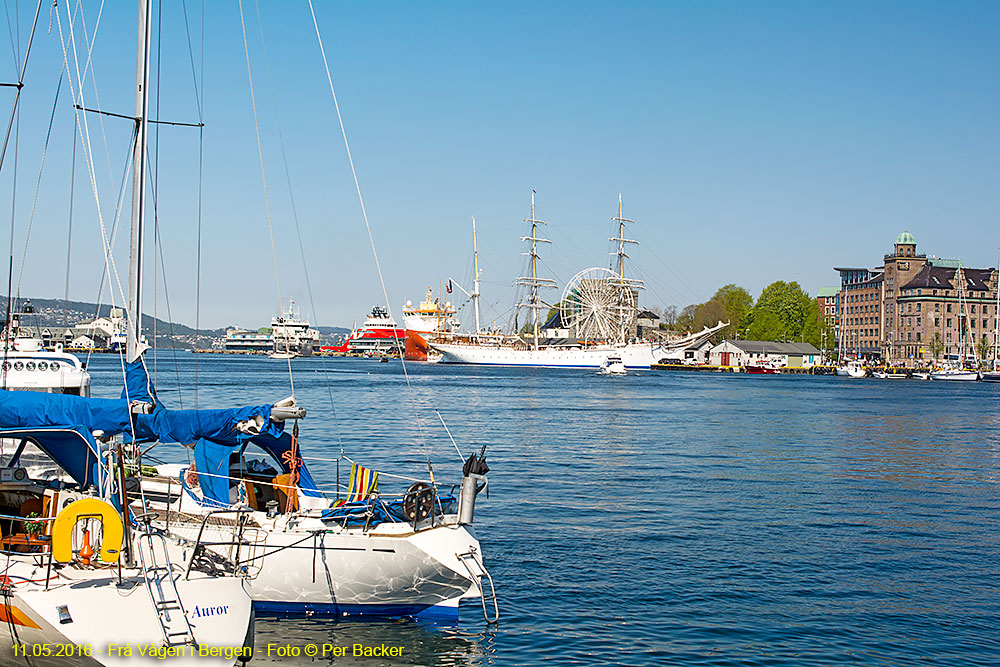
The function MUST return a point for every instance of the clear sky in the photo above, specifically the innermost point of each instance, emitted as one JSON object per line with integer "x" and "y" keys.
{"x": 752, "y": 142}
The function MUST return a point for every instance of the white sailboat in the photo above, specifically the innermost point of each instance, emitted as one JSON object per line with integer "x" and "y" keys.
{"x": 957, "y": 372}
{"x": 597, "y": 310}
{"x": 249, "y": 499}
{"x": 81, "y": 571}
{"x": 992, "y": 374}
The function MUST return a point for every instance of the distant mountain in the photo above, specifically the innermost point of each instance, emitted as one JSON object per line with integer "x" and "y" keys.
{"x": 49, "y": 313}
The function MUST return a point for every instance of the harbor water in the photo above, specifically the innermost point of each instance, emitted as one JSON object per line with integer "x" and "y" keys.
{"x": 662, "y": 518}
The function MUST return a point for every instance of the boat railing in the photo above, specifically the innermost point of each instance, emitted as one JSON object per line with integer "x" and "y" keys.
{"x": 242, "y": 513}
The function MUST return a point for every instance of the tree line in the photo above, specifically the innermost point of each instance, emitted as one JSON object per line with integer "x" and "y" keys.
{"x": 783, "y": 312}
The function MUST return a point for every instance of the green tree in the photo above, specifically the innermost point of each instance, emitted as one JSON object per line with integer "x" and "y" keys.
{"x": 984, "y": 346}
{"x": 737, "y": 304}
{"x": 936, "y": 346}
{"x": 781, "y": 313}
{"x": 685, "y": 319}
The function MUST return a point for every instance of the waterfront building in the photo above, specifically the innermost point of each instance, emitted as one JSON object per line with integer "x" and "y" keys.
{"x": 826, "y": 306}
{"x": 915, "y": 307}
{"x": 764, "y": 353}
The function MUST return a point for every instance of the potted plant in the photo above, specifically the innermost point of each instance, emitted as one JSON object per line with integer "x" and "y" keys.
{"x": 33, "y": 527}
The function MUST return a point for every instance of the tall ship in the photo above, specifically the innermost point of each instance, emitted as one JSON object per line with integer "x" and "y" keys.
{"x": 378, "y": 334}
{"x": 596, "y": 318}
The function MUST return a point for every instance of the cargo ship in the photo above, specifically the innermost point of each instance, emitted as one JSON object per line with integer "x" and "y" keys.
{"x": 426, "y": 323}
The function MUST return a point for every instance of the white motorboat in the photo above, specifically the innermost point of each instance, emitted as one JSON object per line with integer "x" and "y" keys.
{"x": 921, "y": 375}
{"x": 613, "y": 365}
{"x": 27, "y": 365}
{"x": 882, "y": 375}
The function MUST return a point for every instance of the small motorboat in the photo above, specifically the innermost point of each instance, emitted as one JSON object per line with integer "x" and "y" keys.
{"x": 613, "y": 365}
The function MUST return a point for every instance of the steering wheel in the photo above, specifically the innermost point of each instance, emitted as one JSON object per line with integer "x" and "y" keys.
{"x": 418, "y": 501}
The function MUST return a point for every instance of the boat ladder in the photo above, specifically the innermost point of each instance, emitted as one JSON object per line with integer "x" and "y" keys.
{"x": 158, "y": 574}
{"x": 473, "y": 563}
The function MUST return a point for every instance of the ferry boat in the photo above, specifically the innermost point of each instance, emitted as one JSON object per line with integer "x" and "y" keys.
{"x": 292, "y": 335}
{"x": 377, "y": 335}
{"x": 289, "y": 334}
{"x": 427, "y": 322}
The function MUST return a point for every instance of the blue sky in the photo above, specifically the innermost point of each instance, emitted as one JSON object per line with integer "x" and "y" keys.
{"x": 752, "y": 142}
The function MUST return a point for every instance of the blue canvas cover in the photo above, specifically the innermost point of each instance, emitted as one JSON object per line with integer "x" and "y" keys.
{"x": 213, "y": 433}
{"x": 74, "y": 449}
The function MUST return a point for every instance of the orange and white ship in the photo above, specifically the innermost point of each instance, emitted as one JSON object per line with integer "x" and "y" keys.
{"x": 427, "y": 322}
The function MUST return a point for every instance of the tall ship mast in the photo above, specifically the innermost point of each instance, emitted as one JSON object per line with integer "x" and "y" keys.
{"x": 628, "y": 287}
{"x": 596, "y": 319}
{"x": 532, "y": 281}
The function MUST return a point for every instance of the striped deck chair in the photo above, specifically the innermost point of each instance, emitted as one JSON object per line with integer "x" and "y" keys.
{"x": 364, "y": 483}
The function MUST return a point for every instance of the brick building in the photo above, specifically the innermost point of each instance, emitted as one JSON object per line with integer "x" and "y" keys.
{"x": 914, "y": 303}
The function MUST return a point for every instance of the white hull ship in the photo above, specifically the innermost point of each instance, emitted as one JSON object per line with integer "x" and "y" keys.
{"x": 633, "y": 355}
{"x": 597, "y": 317}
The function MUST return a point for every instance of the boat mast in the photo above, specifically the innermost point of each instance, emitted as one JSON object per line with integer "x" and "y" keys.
{"x": 533, "y": 282}
{"x": 138, "y": 182}
{"x": 996, "y": 321}
{"x": 475, "y": 282}
{"x": 623, "y": 282}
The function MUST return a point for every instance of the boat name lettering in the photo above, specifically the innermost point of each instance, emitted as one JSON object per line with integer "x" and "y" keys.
{"x": 201, "y": 612}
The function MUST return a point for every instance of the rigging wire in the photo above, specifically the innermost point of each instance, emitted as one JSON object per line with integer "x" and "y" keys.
{"x": 38, "y": 183}
{"x": 295, "y": 218}
{"x": 263, "y": 177}
{"x": 198, "y": 96}
{"x": 371, "y": 240}
{"x": 84, "y": 132}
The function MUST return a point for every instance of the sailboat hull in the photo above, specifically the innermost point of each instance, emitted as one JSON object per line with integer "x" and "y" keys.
{"x": 307, "y": 566}
{"x": 108, "y": 623}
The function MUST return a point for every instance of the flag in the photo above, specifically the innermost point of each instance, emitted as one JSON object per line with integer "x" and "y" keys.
{"x": 448, "y": 289}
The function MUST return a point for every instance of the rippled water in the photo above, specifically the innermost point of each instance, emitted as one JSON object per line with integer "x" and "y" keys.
{"x": 669, "y": 518}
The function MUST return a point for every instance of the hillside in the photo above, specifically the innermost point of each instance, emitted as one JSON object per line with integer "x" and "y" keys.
{"x": 59, "y": 313}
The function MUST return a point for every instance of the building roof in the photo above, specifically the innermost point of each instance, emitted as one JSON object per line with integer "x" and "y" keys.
{"x": 941, "y": 277}
{"x": 827, "y": 292}
{"x": 772, "y": 347}
{"x": 949, "y": 263}
{"x": 648, "y": 315}
{"x": 906, "y": 237}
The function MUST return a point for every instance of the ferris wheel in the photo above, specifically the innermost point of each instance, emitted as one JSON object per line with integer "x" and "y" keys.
{"x": 597, "y": 305}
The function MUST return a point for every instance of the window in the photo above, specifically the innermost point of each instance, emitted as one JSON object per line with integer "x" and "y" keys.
{"x": 918, "y": 324}
{"x": 948, "y": 323}
{"x": 949, "y": 310}
{"x": 986, "y": 323}
{"x": 918, "y": 336}
{"x": 909, "y": 336}
{"x": 972, "y": 308}
{"x": 918, "y": 307}
{"x": 937, "y": 321}
{"x": 948, "y": 338}
{"x": 937, "y": 307}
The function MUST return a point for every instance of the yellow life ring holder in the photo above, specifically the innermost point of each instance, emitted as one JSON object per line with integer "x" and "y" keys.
{"x": 87, "y": 508}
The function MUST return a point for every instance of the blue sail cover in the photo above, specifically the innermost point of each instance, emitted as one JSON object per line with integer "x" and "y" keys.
{"x": 215, "y": 434}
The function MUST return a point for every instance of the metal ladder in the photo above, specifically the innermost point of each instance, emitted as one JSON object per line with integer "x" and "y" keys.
{"x": 473, "y": 562}
{"x": 158, "y": 575}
